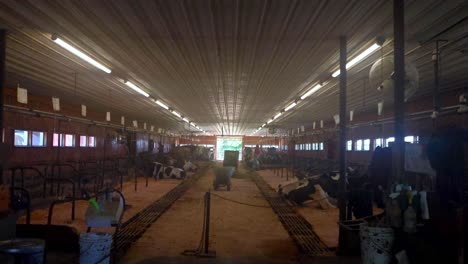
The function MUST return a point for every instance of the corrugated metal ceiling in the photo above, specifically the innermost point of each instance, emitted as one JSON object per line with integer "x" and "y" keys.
{"x": 221, "y": 62}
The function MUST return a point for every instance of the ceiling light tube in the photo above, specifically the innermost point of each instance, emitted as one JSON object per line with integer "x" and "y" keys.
{"x": 277, "y": 115}
{"x": 292, "y": 105}
{"x": 358, "y": 58}
{"x": 80, "y": 54}
{"x": 311, "y": 91}
{"x": 161, "y": 104}
{"x": 264, "y": 125}
{"x": 186, "y": 120}
{"x": 176, "y": 114}
{"x": 136, "y": 88}
{"x": 269, "y": 121}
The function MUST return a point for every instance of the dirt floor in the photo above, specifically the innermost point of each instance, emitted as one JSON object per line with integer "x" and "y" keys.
{"x": 136, "y": 201}
{"x": 237, "y": 231}
{"x": 324, "y": 222}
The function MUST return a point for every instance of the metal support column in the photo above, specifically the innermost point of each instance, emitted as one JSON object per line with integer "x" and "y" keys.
{"x": 399, "y": 88}
{"x": 343, "y": 121}
{"x": 2, "y": 88}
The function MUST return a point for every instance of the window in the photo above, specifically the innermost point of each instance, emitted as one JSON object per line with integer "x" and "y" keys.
{"x": 412, "y": 139}
{"x": 315, "y": 146}
{"x": 55, "y": 140}
{"x": 321, "y": 146}
{"x": 25, "y": 138}
{"x": 92, "y": 141}
{"x": 359, "y": 144}
{"x": 366, "y": 146}
{"x": 21, "y": 138}
{"x": 349, "y": 145}
{"x": 379, "y": 142}
{"x": 69, "y": 140}
{"x": 63, "y": 140}
{"x": 38, "y": 139}
{"x": 389, "y": 140}
{"x": 83, "y": 141}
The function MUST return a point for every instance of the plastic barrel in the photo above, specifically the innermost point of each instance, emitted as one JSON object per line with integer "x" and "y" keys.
{"x": 95, "y": 248}
{"x": 376, "y": 244}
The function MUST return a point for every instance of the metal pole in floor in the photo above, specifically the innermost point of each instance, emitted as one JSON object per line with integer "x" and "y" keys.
{"x": 343, "y": 122}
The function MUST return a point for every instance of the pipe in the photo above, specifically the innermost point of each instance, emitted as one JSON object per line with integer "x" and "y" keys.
{"x": 2, "y": 89}
{"x": 342, "y": 125}
{"x": 399, "y": 88}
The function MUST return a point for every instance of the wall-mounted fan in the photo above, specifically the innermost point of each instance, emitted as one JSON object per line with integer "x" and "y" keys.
{"x": 381, "y": 76}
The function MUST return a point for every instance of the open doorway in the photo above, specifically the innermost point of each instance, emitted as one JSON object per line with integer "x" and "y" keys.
{"x": 228, "y": 143}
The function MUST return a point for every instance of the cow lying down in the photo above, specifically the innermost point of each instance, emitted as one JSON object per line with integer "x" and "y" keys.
{"x": 165, "y": 172}
{"x": 306, "y": 190}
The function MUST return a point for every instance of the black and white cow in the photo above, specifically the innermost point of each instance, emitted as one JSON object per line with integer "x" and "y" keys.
{"x": 158, "y": 168}
{"x": 174, "y": 173}
{"x": 190, "y": 167}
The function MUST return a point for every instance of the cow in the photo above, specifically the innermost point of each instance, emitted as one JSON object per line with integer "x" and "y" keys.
{"x": 189, "y": 167}
{"x": 158, "y": 167}
{"x": 173, "y": 172}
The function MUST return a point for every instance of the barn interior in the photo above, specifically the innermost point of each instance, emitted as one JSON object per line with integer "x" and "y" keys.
{"x": 233, "y": 131}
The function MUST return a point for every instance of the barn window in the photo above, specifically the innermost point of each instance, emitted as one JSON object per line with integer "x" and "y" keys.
{"x": 38, "y": 139}
{"x": 83, "y": 141}
{"x": 349, "y": 145}
{"x": 21, "y": 138}
{"x": 412, "y": 139}
{"x": 389, "y": 140}
{"x": 56, "y": 139}
{"x": 379, "y": 142}
{"x": 69, "y": 140}
{"x": 63, "y": 140}
{"x": 366, "y": 146}
{"x": 321, "y": 146}
{"x": 359, "y": 145}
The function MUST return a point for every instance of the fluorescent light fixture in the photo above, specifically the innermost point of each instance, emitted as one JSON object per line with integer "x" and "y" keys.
{"x": 136, "y": 88}
{"x": 176, "y": 114}
{"x": 186, "y": 120}
{"x": 161, "y": 104}
{"x": 311, "y": 91}
{"x": 192, "y": 124}
{"x": 269, "y": 121}
{"x": 80, "y": 54}
{"x": 277, "y": 115}
{"x": 259, "y": 128}
{"x": 290, "y": 106}
{"x": 358, "y": 58}
{"x": 264, "y": 125}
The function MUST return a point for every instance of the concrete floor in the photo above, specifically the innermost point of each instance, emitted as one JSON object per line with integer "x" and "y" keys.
{"x": 238, "y": 233}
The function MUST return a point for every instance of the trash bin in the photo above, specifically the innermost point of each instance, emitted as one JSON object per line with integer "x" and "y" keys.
{"x": 28, "y": 250}
{"x": 376, "y": 244}
{"x": 95, "y": 248}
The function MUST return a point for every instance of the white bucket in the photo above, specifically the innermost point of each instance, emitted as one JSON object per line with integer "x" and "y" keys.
{"x": 376, "y": 244}
{"x": 95, "y": 248}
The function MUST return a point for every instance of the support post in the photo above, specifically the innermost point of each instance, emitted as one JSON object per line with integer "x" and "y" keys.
{"x": 2, "y": 88}
{"x": 343, "y": 122}
{"x": 399, "y": 88}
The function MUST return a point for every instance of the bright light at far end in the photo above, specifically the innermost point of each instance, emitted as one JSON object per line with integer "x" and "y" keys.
{"x": 277, "y": 115}
{"x": 80, "y": 54}
{"x": 136, "y": 88}
{"x": 311, "y": 91}
{"x": 358, "y": 58}
{"x": 161, "y": 104}
{"x": 290, "y": 106}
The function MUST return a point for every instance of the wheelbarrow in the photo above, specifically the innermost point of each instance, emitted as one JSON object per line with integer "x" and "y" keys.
{"x": 223, "y": 177}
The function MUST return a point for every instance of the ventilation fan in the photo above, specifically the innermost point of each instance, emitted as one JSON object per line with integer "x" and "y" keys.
{"x": 381, "y": 76}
